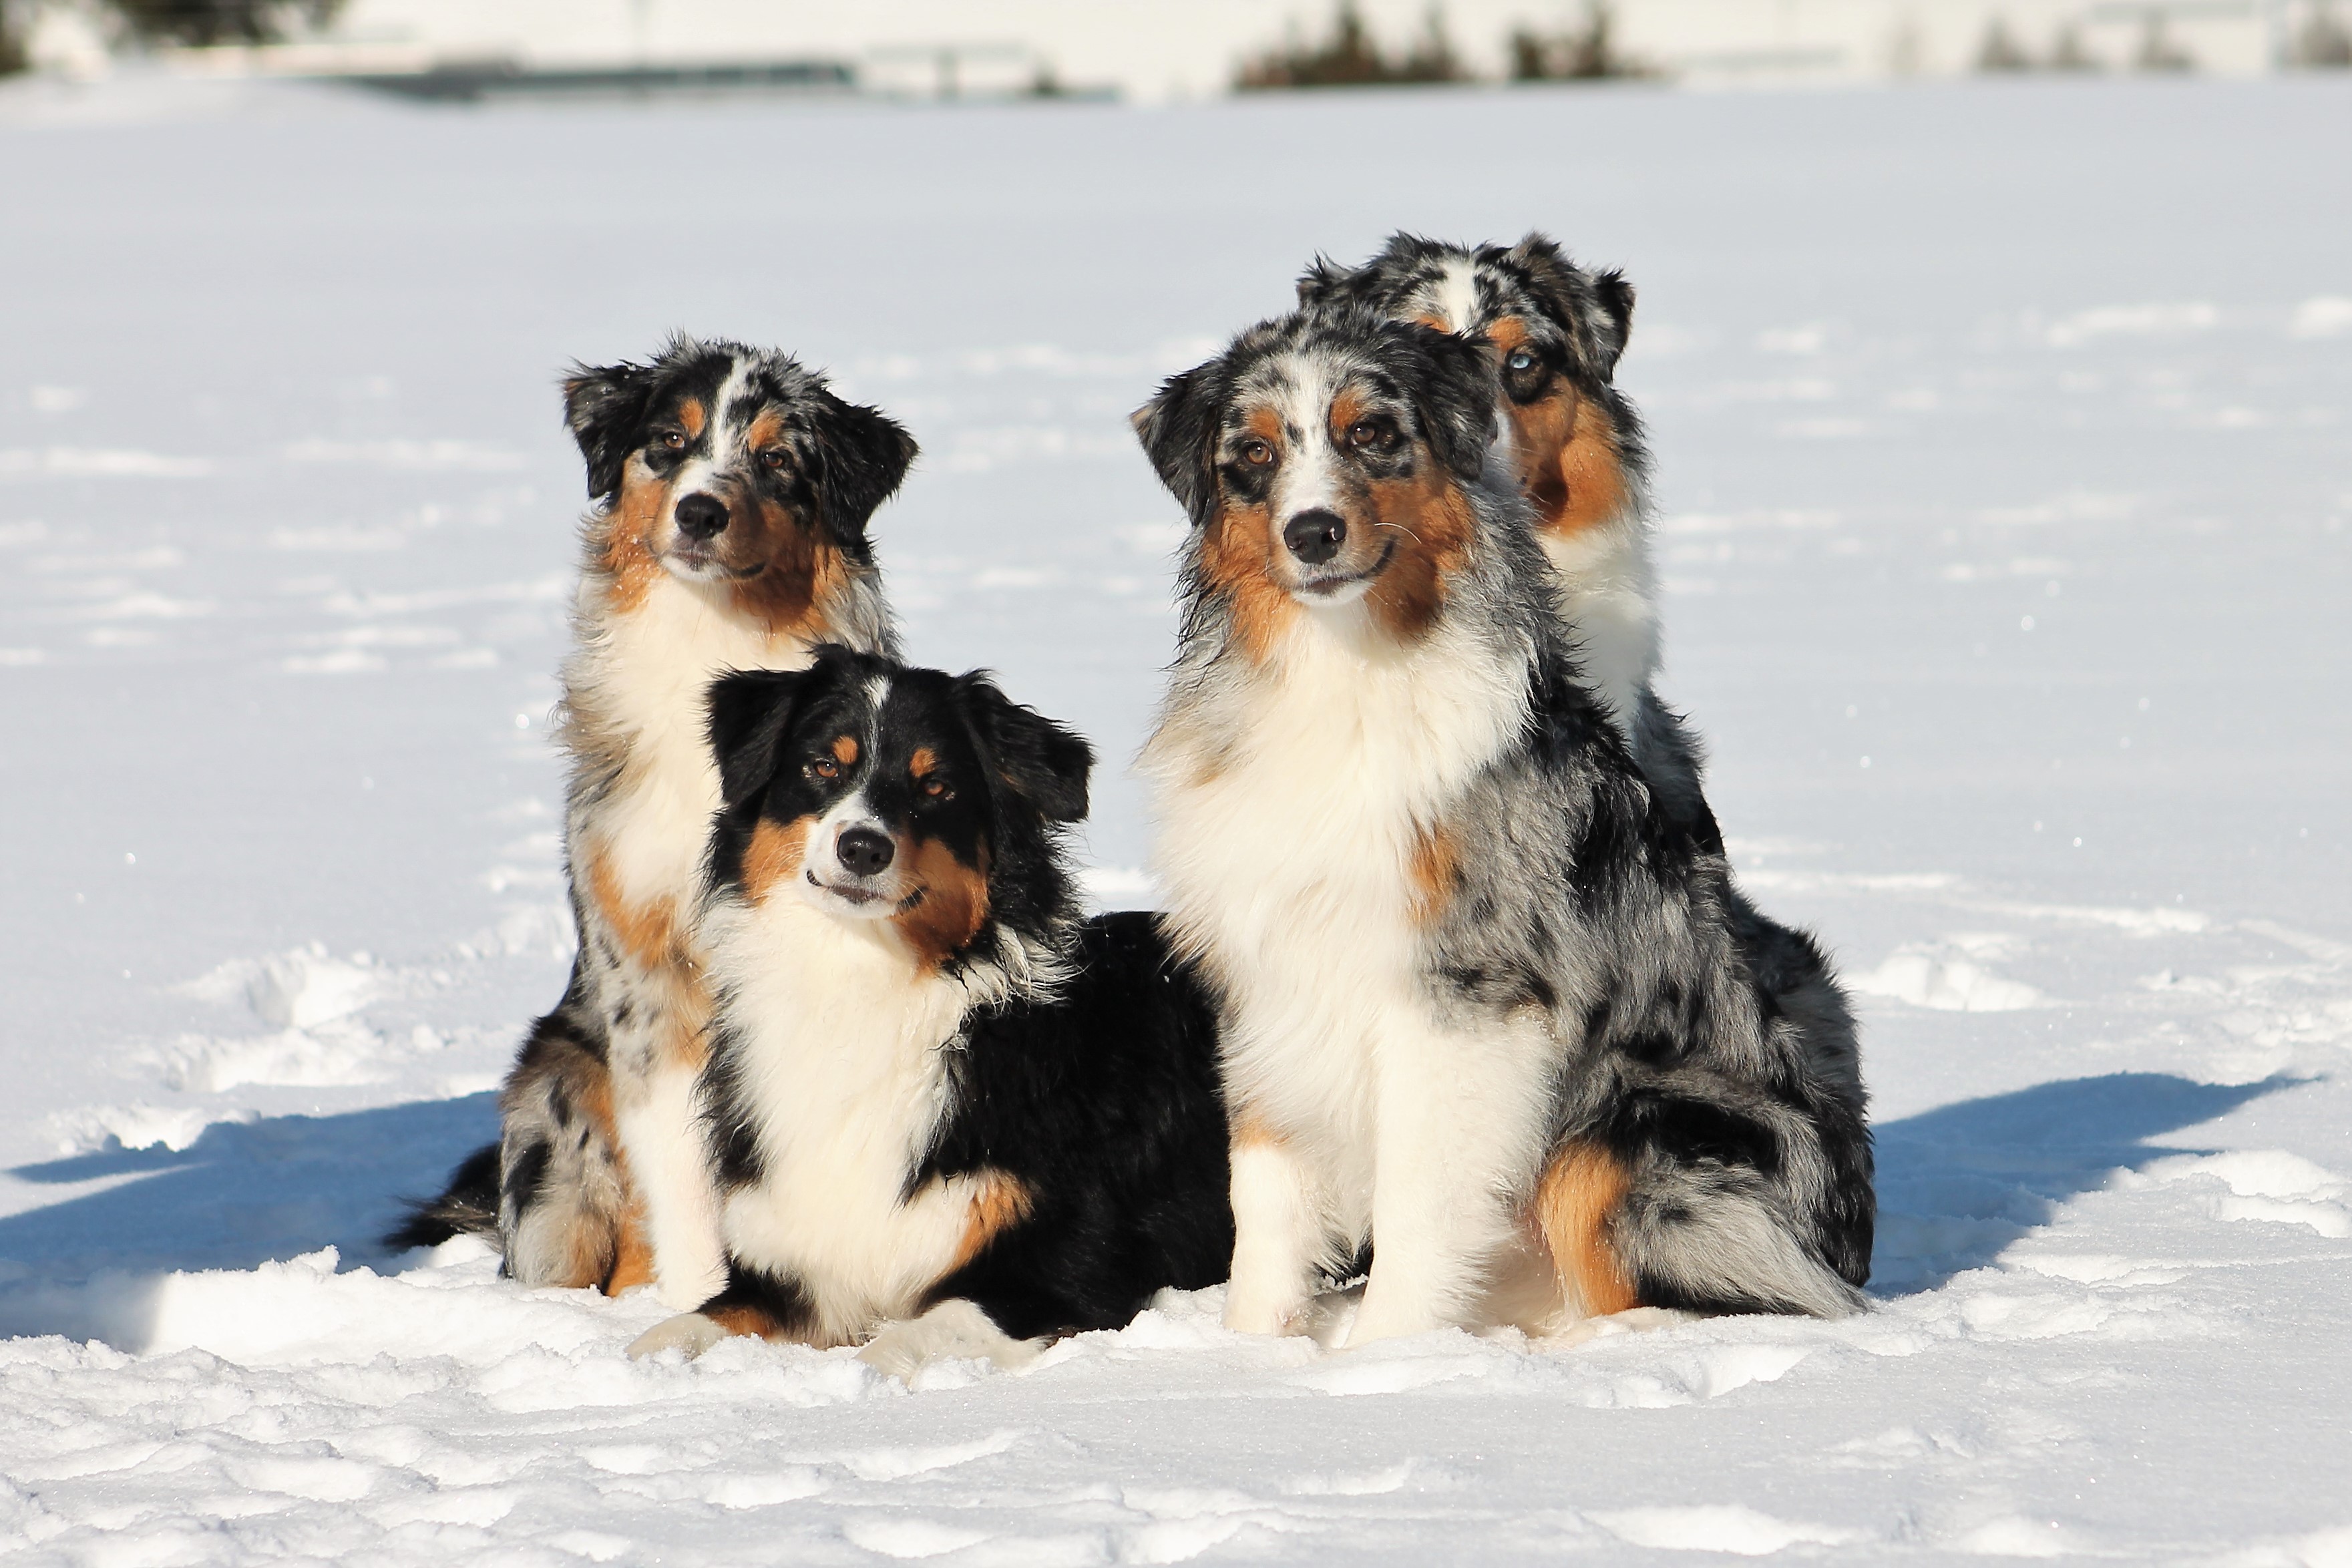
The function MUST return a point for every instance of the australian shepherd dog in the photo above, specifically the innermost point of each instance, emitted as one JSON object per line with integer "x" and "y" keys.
{"x": 1482, "y": 1006}
{"x": 732, "y": 491}
{"x": 1558, "y": 330}
{"x": 947, "y": 1115}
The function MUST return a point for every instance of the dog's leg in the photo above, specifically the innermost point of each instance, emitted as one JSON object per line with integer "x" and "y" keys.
{"x": 1278, "y": 1234}
{"x": 670, "y": 1168}
{"x": 1459, "y": 1133}
{"x": 954, "y": 1330}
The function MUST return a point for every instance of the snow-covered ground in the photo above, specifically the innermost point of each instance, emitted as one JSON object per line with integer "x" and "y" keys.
{"x": 2005, "y": 443}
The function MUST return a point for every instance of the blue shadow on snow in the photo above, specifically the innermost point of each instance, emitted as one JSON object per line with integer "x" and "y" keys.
{"x": 1957, "y": 1186}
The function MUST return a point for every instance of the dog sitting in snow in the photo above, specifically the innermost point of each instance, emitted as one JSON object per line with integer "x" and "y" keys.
{"x": 1481, "y": 1004}
{"x": 1558, "y": 330}
{"x": 733, "y": 490}
{"x": 947, "y": 1116}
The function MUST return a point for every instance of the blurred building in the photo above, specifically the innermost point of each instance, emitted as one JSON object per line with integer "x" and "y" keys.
{"x": 1160, "y": 50}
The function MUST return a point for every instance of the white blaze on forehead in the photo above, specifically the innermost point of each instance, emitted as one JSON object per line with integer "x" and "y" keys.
{"x": 1310, "y": 476}
{"x": 1454, "y": 295}
{"x": 722, "y": 436}
{"x": 726, "y": 431}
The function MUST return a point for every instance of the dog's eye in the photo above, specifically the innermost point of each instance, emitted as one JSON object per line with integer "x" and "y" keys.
{"x": 824, "y": 768}
{"x": 1366, "y": 433}
{"x": 675, "y": 440}
{"x": 935, "y": 788}
{"x": 1256, "y": 454}
{"x": 1520, "y": 362}
{"x": 772, "y": 458}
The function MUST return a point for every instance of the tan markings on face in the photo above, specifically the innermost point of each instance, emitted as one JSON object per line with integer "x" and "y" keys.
{"x": 692, "y": 417}
{"x": 844, "y": 750}
{"x": 1435, "y": 871}
{"x": 623, "y": 551}
{"x": 1237, "y": 557}
{"x": 1430, "y": 519}
{"x": 1435, "y": 319}
{"x": 1591, "y": 472}
{"x": 1346, "y": 409}
{"x": 767, "y": 430}
{"x": 1507, "y": 333}
{"x": 1576, "y": 1202}
{"x": 1567, "y": 455}
{"x": 800, "y": 574}
{"x": 773, "y": 857}
{"x": 953, "y": 908}
{"x": 999, "y": 1203}
{"x": 923, "y": 763}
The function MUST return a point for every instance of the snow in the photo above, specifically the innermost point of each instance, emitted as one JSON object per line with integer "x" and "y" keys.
{"x": 2001, "y": 434}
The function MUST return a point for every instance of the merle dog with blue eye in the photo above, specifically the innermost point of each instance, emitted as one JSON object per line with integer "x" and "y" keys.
{"x": 948, "y": 1115}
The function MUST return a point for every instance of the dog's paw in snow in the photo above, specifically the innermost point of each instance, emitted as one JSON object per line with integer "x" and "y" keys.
{"x": 1632, "y": 1321}
{"x": 952, "y": 1331}
{"x": 688, "y": 1332}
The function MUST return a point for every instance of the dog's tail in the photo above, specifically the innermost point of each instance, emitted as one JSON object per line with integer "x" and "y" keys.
{"x": 468, "y": 1207}
{"x": 1701, "y": 1192}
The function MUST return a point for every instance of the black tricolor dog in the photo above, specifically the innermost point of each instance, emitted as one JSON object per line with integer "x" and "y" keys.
{"x": 946, "y": 1114}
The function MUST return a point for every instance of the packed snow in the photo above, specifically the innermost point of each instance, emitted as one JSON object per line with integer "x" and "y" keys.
{"x": 2006, "y": 529}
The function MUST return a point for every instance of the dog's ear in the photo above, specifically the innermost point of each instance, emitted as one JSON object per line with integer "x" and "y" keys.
{"x": 1596, "y": 308}
{"x": 1179, "y": 431}
{"x": 864, "y": 454}
{"x": 1038, "y": 760}
{"x": 605, "y": 406}
{"x": 1324, "y": 282}
{"x": 1611, "y": 319}
{"x": 1453, "y": 392}
{"x": 750, "y": 711}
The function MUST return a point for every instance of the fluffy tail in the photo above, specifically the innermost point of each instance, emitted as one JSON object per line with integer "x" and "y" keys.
{"x": 468, "y": 1207}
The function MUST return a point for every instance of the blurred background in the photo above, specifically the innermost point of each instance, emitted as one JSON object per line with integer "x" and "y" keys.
{"x": 1159, "y": 50}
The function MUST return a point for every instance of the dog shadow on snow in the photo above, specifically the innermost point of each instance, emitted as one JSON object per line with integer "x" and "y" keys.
{"x": 92, "y": 1265}
{"x": 1957, "y": 1186}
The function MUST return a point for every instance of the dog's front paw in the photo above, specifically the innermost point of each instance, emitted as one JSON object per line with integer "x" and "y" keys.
{"x": 1264, "y": 1313}
{"x": 952, "y": 1331}
{"x": 688, "y": 1332}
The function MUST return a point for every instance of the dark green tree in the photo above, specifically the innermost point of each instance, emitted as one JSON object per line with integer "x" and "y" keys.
{"x": 203, "y": 21}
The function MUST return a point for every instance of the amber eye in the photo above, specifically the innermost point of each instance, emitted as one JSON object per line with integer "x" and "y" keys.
{"x": 1256, "y": 454}
{"x": 935, "y": 788}
{"x": 1520, "y": 360}
{"x": 1367, "y": 433}
{"x": 772, "y": 458}
{"x": 824, "y": 768}
{"x": 674, "y": 439}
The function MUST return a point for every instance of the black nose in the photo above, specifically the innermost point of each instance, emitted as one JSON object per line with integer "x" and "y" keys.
{"x": 1314, "y": 536}
{"x": 865, "y": 851}
{"x": 701, "y": 517}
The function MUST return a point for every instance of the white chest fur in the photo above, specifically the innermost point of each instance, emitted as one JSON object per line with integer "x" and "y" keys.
{"x": 1609, "y": 594}
{"x": 842, "y": 1077}
{"x": 1292, "y": 861}
{"x": 648, "y": 675}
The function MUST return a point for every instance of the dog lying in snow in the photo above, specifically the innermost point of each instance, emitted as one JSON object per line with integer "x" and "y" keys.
{"x": 1484, "y": 1007}
{"x": 947, "y": 1116}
